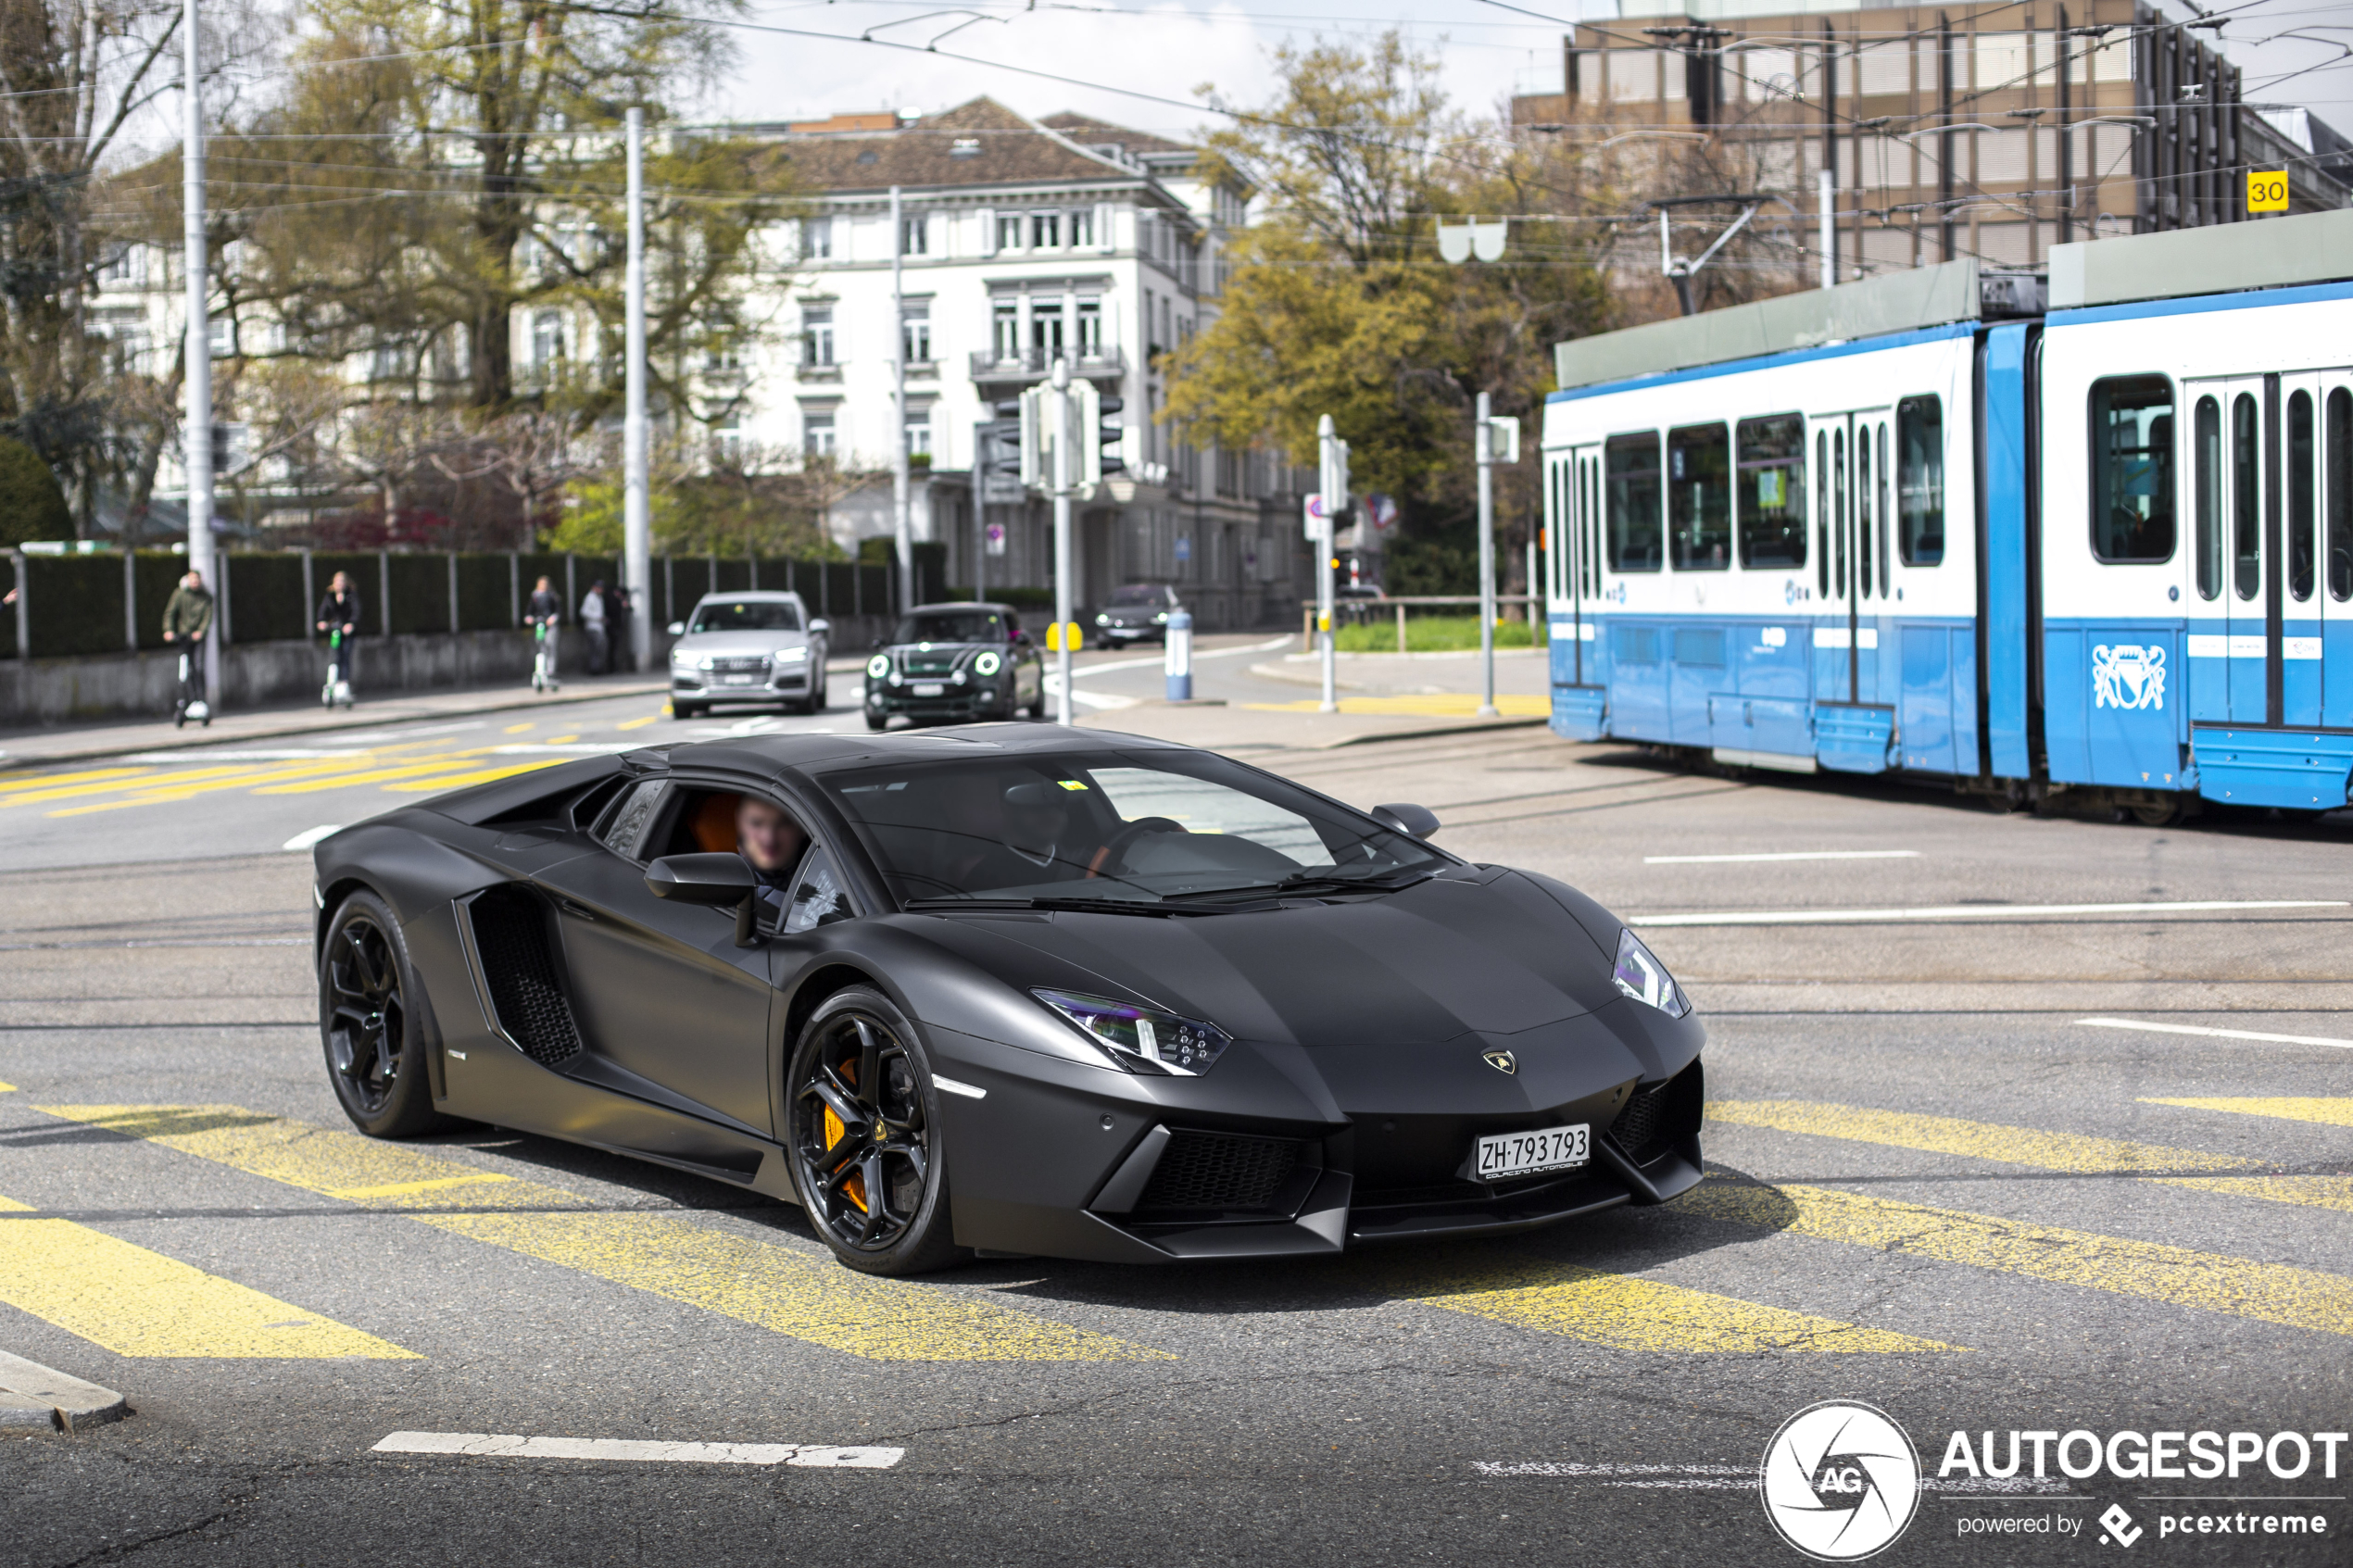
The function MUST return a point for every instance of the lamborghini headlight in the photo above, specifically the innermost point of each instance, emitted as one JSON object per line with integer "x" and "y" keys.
{"x": 1642, "y": 977}
{"x": 1142, "y": 1039}
{"x": 989, "y": 663}
{"x": 879, "y": 666}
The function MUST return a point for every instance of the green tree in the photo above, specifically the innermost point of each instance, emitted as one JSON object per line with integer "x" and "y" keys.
{"x": 32, "y": 506}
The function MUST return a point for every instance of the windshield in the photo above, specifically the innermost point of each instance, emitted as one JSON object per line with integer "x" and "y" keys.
{"x": 950, "y": 626}
{"x": 1136, "y": 594}
{"x": 1141, "y": 828}
{"x": 747, "y": 615}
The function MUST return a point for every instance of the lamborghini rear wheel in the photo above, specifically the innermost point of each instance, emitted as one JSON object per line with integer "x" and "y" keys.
{"x": 864, "y": 1137}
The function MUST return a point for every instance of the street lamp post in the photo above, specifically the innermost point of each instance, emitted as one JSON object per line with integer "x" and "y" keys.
{"x": 1063, "y": 455}
{"x": 636, "y": 500}
{"x": 198, "y": 437}
{"x": 1483, "y": 450}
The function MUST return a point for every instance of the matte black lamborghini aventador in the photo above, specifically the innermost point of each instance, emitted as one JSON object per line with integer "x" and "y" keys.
{"x": 1027, "y": 990}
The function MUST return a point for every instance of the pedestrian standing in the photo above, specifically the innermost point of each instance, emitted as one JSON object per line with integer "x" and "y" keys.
{"x": 187, "y": 621}
{"x": 592, "y": 621}
{"x": 546, "y": 613}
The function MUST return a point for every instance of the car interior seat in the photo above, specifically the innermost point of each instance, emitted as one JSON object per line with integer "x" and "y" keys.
{"x": 710, "y": 824}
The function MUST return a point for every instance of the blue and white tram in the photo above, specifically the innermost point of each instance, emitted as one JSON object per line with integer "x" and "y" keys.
{"x": 1924, "y": 524}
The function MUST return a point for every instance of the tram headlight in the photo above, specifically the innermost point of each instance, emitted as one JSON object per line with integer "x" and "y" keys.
{"x": 1640, "y": 975}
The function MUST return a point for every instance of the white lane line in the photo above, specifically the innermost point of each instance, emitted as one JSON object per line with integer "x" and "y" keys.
{"x": 1729, "y": 1477}
{"x": 1979, "y": 912}
{"x": 1786, "y": 855}
{"x": 310, "y": 836}
{"x": 503, "y": 1445}
{"x": 193, "y": 757}
{"x": 2214, "y": 1033}
{"x": 410, "y": 730}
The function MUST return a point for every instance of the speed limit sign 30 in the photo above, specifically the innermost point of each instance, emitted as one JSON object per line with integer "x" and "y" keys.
{"x": 2267, "y": 190}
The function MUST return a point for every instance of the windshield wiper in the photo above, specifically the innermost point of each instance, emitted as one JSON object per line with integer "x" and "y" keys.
{"x": 1317, "y": 883}
{"x": 1087, "y": 905}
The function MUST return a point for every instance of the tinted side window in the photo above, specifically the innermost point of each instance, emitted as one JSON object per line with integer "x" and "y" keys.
{"x": 625, "y": 830}
{"x": 1699, "y": 499}
{"x": 1632, "y": 484}
{"x": 2133, "y": 469}
{"x": 1920, "y": 481}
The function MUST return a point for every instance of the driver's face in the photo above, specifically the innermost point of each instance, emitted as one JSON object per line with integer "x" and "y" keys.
{"x": 767, "y": 839}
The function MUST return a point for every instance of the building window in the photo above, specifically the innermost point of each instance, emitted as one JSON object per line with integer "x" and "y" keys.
{"x": 1009, "y": 232}
{"x": 221, "y": 334}
{"x": 1090, "y": 329}
{"x": 913, "y": 236}
{"x": 817, "y": 239}
{"x": 2133, "y": 469}
{"x": 1919, "y": 481}
{"x": 817, "y": 338}
{"x": 817, "y": 434}
{"x": 727, "y": 443}
{"x": 120, "y": 269}
{"x": 385, "y": 363}
{"x": 1046, "y": 328}
{"x": 919, "y": 433}
{"x": 1045, "y": 231}
{"x": 547, "y": 339}
{"x": 1082, "y": 228}
{"x": 914, "y": 334}
{"x": 1632, "y": 461}
{"x": 1004, "y": 323}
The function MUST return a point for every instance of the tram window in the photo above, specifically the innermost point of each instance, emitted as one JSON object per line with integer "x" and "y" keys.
{"x": 1632, "y": 462}
{"x": 1884, "y": 518}
{"x": 2133, "y": 469}
{"x": 2206, "y": 480}
{"x": 2340, "y": 493}
{"x": 1866, "y": 516}
{"x": 1838, "y": 500}
{"x": 1920, "y": 481}
{"x": 1699, "y": 500}
{"x": 2299, "y": 497}
{"x": 1822, "y": 514}
{"x": 1771, "y": 491}
{"x": 2247, "y": 489}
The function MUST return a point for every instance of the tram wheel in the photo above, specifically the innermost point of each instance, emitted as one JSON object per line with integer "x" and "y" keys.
{"x": 2157, "y": 815}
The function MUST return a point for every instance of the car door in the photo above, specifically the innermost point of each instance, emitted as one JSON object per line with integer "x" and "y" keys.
{"x": 669, "y": 1009}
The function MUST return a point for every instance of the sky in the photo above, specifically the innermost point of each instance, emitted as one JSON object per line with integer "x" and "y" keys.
{"x": 1166, "y": 50}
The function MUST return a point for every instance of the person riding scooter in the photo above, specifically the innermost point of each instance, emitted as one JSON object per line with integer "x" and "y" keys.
{"x": 187, "y": 621}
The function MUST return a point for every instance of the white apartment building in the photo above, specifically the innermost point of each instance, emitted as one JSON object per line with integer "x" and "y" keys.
{"x": 1018, "y": 242}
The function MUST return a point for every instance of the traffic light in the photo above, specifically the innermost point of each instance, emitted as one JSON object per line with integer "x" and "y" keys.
{"x": 1103, "y": 438}
{"x": 997, "y": 447}
{"x": 1042, "y": 418}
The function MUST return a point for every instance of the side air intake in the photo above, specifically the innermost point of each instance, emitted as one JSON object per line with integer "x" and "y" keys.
{"x": 527, "y": 1001}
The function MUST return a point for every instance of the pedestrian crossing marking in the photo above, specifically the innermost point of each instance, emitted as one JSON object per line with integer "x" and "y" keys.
{"x": 804, "y": 1295}
{"x": 134, "y": 1302}
{"x": 638, "y": 724}
{"x": 1978, "y": 1140}
{"x": 2177, "y": 1277}
{"x": 1626, "y": 1313}
{"x": 789, "y": 1292}
{"x": 8, "y": 1089}
{"x": 523, "y": 728}
{"x": 84, "y": 778}
{"x": 2328, "y": 1113}
{"x": 480, "y": 775}
{"x": 2047, "y": 1151}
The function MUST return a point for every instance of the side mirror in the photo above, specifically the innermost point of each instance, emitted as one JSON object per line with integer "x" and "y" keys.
{"x": 821, "y": 627}
{"x": 717, "y": 880}
{"x": 677, "y": 628}
{"x": 1418, "y": 820}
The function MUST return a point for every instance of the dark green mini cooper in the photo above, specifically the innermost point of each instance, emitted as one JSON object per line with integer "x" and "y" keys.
{"x": 954, "y": 664}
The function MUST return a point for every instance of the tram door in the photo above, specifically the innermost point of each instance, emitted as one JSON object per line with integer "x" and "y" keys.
{"x": 1577, "y": 554}
{"x": 1851, "y": 493}
{"x": 2237, "y": 632}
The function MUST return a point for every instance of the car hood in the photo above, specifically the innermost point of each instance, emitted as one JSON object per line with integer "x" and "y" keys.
{"x": 1124, "y": 613}
{"x": 1486, "y": 952}
{"x": 740, "y": 642}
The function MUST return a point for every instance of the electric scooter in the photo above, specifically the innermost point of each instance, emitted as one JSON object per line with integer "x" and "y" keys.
{"x": 543, "y": 661}
{"x": 337, "y": 691}
{"x": 190, "y": 703}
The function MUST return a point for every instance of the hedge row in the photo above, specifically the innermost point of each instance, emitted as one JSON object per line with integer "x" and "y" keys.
{"x": 76, "y": 605}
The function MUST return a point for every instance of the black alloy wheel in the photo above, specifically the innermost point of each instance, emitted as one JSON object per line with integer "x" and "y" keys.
{"x": 375, "y": 1048}
{"x": 866, "y": 1150}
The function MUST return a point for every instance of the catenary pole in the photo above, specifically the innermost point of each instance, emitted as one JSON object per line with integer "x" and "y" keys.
{"x": 198, "y": 435}
{"x": 636, "y": 502}
{"x": 901, "y": 521}
{"x": 1064, "y": 477}
{"x": 1332, "y": 491}
{"x": 1483, "y": 449}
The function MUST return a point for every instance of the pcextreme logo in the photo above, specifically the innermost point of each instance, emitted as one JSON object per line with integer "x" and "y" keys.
{"x": 1840, "y": 1481}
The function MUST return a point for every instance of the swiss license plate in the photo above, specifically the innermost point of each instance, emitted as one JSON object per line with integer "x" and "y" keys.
{"x": 927, "y": 688}
{"x": 1547, "y": 1149}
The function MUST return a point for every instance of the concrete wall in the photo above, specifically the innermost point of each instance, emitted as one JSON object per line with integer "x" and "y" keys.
{"x": 54, "y": 691}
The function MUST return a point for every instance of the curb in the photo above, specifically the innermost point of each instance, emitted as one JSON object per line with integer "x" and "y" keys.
{"x": 38, "y": 1397}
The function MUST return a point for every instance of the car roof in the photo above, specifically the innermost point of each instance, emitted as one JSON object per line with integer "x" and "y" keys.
{"x": 767, "y": 596}
{"x": 767, "y": 755}
{"x": 963, "y": 604}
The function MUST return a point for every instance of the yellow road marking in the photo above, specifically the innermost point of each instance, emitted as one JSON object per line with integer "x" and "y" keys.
{"x": 1978, "y": 1140}
{"x": 640, "y": 723}
{"x": 2315, "y": 1192}
{"x": 558, "y": 740}
{"x": 1628, "y": 1314}
{"x": 1438, "y": 705}
{"x": 135, "y": 1302}
{"x": 778, "y": 1288}
{"x": 180, "y": 786}
{"x": 409, "y": 770}
{"x": 149, "y": 780}
{"x": 84, "y": 778}
{"x": 481, "y": 775}
{"x": 2177, "y": 1276}
{"x": 2330, "y": 1112}
{"x": 790, "y": 1292}
{"x": 8, "y": 1089}
{"x": 523, "y": 728}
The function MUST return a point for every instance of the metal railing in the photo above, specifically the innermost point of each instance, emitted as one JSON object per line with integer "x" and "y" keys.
{"x": 1025, "y": 364}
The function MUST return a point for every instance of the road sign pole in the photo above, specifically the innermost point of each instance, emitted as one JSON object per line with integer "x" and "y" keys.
{"x": 1483, "y": 448}
{"x": 1057, "y": 412}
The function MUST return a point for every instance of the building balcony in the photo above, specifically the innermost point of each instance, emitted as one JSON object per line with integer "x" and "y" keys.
{"x": 1035, "y": 364}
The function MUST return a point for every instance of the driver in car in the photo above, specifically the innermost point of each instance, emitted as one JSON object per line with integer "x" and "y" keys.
{"x": 1016, "y": 834}
{"x": 771, "y": 843}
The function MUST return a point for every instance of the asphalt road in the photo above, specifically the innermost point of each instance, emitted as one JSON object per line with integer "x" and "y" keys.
{"x": 1937, "y": 1189}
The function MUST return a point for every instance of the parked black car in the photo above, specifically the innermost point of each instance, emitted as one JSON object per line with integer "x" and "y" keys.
{"x": 956, "y": 662}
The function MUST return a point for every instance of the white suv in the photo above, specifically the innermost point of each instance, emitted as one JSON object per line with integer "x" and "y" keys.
{"x": 756, "y": 647}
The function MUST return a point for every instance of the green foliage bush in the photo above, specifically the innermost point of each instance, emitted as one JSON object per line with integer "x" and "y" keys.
{"x": 265, "y": 601}
{"x": 156, "y": 573}
{"x": 486, "y": 594}
{"x": 77, "y": 604}
{"x": 1426, "y": 633}
{"x": 32, "y": 506}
